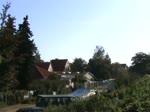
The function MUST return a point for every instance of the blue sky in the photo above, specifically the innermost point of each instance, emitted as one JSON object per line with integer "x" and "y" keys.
{"x": 72, "y": 28}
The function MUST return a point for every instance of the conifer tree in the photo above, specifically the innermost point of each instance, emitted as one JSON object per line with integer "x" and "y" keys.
{"x": 24, "y": 54}
{"x": 7, "y": 47}
{"x": 18, "y": 52}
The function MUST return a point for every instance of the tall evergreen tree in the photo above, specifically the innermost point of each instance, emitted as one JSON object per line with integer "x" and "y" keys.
{"x": 24, "y": 54}
{"x": 38, "y": 57}
{"x": 17, "y": 52}
{"x": 7, "y": 46}
{"x": 5, "y": 50}
{"x": 4, "y": 15}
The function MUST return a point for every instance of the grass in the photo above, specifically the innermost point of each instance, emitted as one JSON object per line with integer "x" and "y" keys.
{"x": 14, "y": 107}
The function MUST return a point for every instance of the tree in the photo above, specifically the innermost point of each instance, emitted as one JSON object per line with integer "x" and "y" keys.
{"x": 24, "y": 54}
{"x": 7, "y": 30}
{"x": 140, "y": 63}
{"x": 18, "y": 53}
{"x": 119, "y": 73}
{"x": 7, "y": 46}
{"x": 100, "y": 64}
{"x": 4, "y": 15}
{"x": 79, "y": 65}
{"x": 37, "y": 57}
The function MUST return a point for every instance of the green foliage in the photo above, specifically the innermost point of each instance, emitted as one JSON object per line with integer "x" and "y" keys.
{"x": 141, "y": 63}
{"x": 78, "y": 106}
{"x": 54, "y": 76}
{"x": 57, "y": 108}
{"x": 4, "y": 15}
{"x": 79, "y": 78}
{"x": 79, "y": 65}
{"x": 44, "y": 86}
{"x": 120, "y": 74}
{"x": 24, "y": 54}
{"x": 37, "y": 57}
{"x": 100, "y": 64}
{"x": 7, "y": 40}
{"x": 18, "y": 53}
{"x": 30, "y": 100}
{"x": 2, "y": 104}
{"x": 7, "y": 47}
{"x": 11, "y": 97}
{"x": 132, "y": 98}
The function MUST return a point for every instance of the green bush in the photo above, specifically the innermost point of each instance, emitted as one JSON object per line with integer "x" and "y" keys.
{"x": 2, "y": 104}
{"x": 30, "y": 100}
{"x": 55, "y": 108}
{"x": 134, "y": 98}
{"x": 46, "y": 86}
{"x": 12, "y": 97}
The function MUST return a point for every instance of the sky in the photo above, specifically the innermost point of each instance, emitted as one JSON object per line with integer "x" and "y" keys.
{"x": 69, "y": 29}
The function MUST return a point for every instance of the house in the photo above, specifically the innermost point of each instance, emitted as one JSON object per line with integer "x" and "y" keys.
{"x": 59, "y": 66}
{"x": 88, "y": 76}
{"x": 124, "y": 66}
{"x": 44, "y": 65}
{"x": 44, "y": 70}
{"x": 41, "y": 71}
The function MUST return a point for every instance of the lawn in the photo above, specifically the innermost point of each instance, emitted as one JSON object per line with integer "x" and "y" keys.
{"x": 15, "y": 107}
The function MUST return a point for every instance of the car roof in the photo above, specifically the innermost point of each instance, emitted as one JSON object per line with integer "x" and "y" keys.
{"x": 30, "y": 108}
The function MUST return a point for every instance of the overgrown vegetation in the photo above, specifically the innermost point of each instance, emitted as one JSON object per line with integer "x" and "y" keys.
{"x": 12, "y": 97}
{"x": 44, "y": 86}
{"x": 132, "y": 98}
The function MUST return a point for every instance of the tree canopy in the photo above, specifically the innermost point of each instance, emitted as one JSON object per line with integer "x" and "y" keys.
{"x": 7, "y": 48}
{"x": 79, "y": 65}
{"x": 100, "y": 64}
{"x": 24, "y": 53}
{"x": 119, "y": 73}
{"x": 141, "y": 63}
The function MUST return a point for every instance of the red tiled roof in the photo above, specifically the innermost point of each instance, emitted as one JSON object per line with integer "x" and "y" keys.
{"x": 43, "y": 72}
{"x": 58, "y": 65}
{"x": 44, "y": 65}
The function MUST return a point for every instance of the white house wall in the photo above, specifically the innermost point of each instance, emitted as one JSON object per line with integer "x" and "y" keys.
{"x": 50, "y": 69}
{"x": 67, "y": 66}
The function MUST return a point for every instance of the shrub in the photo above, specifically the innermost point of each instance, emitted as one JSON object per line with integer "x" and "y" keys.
{"x": 47, "y": 86}
{"x": 2, "y": 104}
{"x": 133, "y": 98}
{"x": 59, "y": 108}
{"x": 30, "y": 100}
